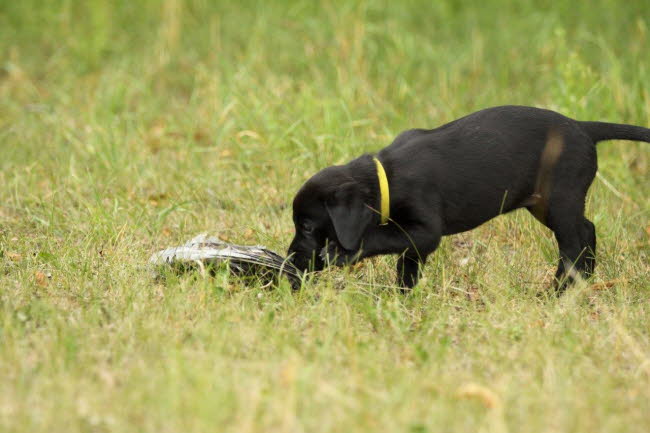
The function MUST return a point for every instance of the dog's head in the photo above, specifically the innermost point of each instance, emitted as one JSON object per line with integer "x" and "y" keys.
{"x": 330, "y": 210}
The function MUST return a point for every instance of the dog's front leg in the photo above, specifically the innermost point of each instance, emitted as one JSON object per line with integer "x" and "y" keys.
{"x": 414, "y": 243}
{"x": 408, "y": 270}
{"x": 385, "y": 239}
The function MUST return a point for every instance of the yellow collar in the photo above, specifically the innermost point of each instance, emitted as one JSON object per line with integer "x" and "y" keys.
{"x": 383, "y": 191}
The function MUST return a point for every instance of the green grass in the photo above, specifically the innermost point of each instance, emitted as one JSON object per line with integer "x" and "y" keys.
{"x": 129, "y": 127}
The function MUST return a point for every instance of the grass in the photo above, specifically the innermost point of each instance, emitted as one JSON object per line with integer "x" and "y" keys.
{"x": 127, "y": 127}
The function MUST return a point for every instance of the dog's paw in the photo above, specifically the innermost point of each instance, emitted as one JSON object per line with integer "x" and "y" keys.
{"x": 330, "y": 254}
{"x": 334, "y": 256}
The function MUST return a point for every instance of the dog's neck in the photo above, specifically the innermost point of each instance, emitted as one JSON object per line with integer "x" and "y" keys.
{"x": 365, "y": 171}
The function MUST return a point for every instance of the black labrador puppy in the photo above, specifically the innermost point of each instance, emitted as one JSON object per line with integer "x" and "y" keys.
{"x": 447, "y": 180}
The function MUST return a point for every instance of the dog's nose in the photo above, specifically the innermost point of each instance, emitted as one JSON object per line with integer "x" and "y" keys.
{"x": 293, "y": 256}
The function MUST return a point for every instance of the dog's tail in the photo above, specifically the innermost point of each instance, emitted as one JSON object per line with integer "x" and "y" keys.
{"x": 599, "y": 131}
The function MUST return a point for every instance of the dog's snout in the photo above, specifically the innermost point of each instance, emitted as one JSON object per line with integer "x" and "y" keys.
{"x": 304, "y": 259}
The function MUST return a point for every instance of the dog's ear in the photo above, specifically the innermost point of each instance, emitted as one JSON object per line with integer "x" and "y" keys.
{"x": 349, "y": 214}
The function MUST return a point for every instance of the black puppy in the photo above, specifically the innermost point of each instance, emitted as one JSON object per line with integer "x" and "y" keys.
{"x": 432, "y": 183}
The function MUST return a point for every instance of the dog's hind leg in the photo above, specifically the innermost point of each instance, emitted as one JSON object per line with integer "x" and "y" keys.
{"x": 567, "y": 168}
{"x": 575, "y": 236}
{"x": 572, "y": 257}
{"x": 576, "y": 239}
{"x": 588, "y": 237}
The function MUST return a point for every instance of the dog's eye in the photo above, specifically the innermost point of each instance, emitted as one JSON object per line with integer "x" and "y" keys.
{"x": 307, "y": 227}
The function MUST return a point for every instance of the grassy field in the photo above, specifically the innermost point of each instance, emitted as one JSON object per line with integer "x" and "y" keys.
{"x": 127, "y": 127}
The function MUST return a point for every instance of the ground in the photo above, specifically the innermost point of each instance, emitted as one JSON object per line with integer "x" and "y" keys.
{"x": 128, "y": 127}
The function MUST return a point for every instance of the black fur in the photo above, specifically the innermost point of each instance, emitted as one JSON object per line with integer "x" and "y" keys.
{"x": 452, "y": 179}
